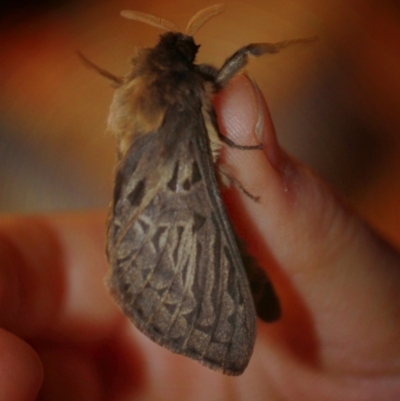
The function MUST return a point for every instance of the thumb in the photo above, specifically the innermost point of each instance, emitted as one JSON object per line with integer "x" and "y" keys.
{"x": 338, "y": 282}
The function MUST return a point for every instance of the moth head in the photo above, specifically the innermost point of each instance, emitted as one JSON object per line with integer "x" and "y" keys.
{"x": 195, "y": 23}
{"x": 179, "y": 46}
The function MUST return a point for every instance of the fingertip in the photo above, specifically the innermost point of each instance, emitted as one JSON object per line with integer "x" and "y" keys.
{"x": 21, "y": 371}
{"x": 237, "y": 107}
{"x": 244, "y": 118}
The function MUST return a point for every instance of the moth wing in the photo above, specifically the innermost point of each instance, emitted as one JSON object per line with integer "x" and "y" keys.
{"x": 176, "y": 269}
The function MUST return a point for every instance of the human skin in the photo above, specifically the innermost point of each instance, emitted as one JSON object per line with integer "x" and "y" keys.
{"x": 338, "y": 281}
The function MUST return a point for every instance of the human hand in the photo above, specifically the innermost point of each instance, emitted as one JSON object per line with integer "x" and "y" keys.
{"x": 338, "y": 339}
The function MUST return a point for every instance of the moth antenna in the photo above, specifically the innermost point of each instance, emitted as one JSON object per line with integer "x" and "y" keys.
{"x": 201, "y": 17}
{"x": 150, "y": 20}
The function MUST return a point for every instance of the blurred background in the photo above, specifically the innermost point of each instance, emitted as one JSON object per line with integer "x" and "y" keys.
{"x": 335, "y": 103}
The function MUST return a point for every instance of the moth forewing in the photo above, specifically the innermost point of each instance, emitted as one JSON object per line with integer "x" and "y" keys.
{"x": 177, "y": 269}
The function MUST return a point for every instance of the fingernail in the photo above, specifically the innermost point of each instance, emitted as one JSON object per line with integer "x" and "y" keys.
{"x": 264, "y": 128}
{"x": 260, "y": 109}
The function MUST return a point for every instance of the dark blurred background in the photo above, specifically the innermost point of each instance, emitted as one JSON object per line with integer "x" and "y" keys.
{"x": 335, "y": 103}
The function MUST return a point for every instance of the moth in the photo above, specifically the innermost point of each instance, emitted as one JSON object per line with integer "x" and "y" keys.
{"x": 178, "y": 271}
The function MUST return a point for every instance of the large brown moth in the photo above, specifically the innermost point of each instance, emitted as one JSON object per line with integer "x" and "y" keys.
{"x": 177, "y": 269}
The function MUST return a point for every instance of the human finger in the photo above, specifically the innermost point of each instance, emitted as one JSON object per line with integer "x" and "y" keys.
{"x": 52, "y": 275}
{"x": 337, "y": 280}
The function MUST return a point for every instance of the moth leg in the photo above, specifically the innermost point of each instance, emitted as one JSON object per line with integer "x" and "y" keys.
{"x": 228, "y": 141}
{"x": 226, "y": 180}
{"x": 232, "y": 144}
{"x": 266, "y": 301}
{"x": 117, "y": 81}
{"x": 208, "y": 71}
{"x": 239, "y": 59}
